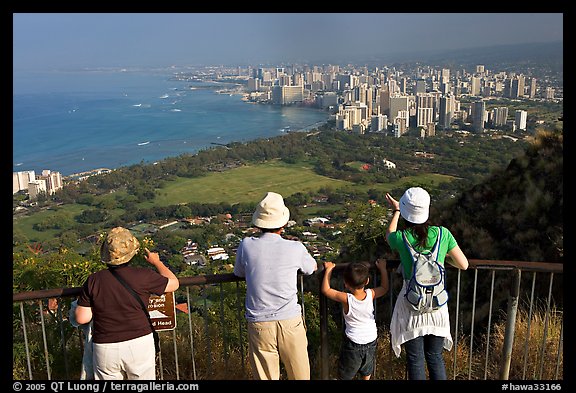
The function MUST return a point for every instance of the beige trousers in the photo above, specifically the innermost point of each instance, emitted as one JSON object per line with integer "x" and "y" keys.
{"x": 272, "y": 341}
{"x": 130, "y": 359}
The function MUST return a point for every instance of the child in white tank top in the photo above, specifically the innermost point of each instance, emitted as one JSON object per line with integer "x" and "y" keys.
{"x": 359, "y": 348}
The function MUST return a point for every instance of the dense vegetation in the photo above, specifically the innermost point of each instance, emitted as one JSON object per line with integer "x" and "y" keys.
{"x": 501, "y": 199}
{"x": 129, "y": 194}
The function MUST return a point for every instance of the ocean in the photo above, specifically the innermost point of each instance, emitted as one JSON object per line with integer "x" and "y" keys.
{"x": 72, "y": 122}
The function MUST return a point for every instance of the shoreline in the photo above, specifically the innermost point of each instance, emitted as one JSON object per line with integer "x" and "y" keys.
{"x": 204, "y": 118}
{"x": 71, "y": 164}
{"x": 92, "y": 172}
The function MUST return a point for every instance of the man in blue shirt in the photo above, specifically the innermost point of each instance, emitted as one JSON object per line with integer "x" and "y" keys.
{"x": 270, "y": 265}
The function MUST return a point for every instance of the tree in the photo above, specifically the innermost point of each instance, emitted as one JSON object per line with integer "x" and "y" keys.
{"x": 363, "y": 236}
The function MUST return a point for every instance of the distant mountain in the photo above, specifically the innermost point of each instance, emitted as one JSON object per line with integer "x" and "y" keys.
{"x": 490, "y": 56}
{"x": 549, "y": 53}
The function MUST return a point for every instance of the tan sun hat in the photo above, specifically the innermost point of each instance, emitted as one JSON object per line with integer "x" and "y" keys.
{"x": 118, "y": 247}
{"x": 271, "y": 213}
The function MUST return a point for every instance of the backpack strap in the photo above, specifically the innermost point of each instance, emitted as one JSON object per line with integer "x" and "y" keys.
{"x": 436, "y": 247}
{"x": 413, "y": 251}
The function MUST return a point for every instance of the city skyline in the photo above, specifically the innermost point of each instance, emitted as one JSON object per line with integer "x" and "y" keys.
{"x": 71, "y": 40}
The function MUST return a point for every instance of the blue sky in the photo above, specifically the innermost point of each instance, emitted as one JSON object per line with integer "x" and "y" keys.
{"x": 69, "y": 40}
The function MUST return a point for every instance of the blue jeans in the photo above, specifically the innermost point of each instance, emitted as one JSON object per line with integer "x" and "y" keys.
{"x": 356, "y": 359}
{"x": 427, "y": 348}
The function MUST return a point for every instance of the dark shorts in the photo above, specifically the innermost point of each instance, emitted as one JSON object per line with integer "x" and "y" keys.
{"x": 356, "y": 359}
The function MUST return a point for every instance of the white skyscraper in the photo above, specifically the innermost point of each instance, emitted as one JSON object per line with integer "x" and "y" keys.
{"x": 424, "y": 117}
{"x": 20, "y": 180}
{"x": 500, "y": 116}
{"x": 520, "y": 119}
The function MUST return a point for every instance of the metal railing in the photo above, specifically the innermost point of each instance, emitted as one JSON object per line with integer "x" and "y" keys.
{"x": 506, "y": 323}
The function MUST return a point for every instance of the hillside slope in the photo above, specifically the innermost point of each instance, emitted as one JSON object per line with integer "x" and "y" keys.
{"x": 517, "y": 213}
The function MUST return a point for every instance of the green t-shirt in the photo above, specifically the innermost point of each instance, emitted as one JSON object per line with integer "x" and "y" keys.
{"x": 396, "y": 242}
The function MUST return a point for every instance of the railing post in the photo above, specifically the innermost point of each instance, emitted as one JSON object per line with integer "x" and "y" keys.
{"x": 323, "y": 306}
{"x": 510, "y": 324}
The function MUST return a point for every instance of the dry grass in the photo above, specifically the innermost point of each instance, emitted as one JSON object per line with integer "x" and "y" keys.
{"x": 538, "y": 358}
{"x": 543, "y": 362}
{"x": 536, "y": 352}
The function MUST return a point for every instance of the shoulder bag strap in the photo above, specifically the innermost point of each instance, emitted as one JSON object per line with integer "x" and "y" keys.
{"x": 144, "y": 308}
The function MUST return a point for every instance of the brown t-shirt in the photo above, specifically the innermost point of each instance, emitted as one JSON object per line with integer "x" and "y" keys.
{"x": 116, "y": 314}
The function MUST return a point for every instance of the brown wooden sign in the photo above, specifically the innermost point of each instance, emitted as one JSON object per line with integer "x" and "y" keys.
{"x": 162, "y": 310}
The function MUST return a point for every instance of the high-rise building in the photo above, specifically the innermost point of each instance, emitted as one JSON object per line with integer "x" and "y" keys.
{"x": 478, "y": 116}
{"x": 475, "y": 86}
{"x": 446, "y": 112}
{"x": 282, "y": 95}
{"x": 424, "y": 116}
{"x": 284, "y": 80}
{"x": 532, "y": 90}
{"x": 425, "y": 100}
{"x": 401, "y": 123}
{"x": 327, "y": 78}
{"x": 445, "y": 87}
{"x": 36, "y": 187}
{"x": 517, "y": 87}
{"x": 360, "y": 92}
{"x": 393, "y": 86}
{"x": 520, "y": 119}
{"x": 253, "y": 84}
{"x": 20, "y": 180}
{"x": 327, "y": 100}
{"x": 499, "y": 116}
{"x": 266, "y": 76}
{"x": 420, "y": 86}
{"x": 379, "y": 123}
{"x": 398, "y": 103}
{"x": 403, "y": 84}
{"x": 385, "y": 100}
{"x": 369, "y": 100}
{"x": 425, "y": 109}
{"x": 347, "y": 81}
{"x": 53, "y": 180}
{"x": 350, "y": 115}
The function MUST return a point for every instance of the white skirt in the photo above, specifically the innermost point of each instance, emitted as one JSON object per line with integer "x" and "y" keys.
{"x": 408, "y": 324}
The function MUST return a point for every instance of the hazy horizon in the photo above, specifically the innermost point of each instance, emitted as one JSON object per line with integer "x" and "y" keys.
{"x": 69, "y": 40}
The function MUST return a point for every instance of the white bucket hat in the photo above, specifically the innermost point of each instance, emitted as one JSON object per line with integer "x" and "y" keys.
{"x": 118, "y": 247}
{"x": 415, "y": 205}
{"x": 271, "y": 213}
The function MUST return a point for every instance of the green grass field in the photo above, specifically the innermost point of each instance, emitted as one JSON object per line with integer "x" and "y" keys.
{"x": 245, "y": 184}
{"x": 250, "y": 183}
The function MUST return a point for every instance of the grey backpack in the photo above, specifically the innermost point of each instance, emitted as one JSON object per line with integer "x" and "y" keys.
{"x": 425, "y": 289}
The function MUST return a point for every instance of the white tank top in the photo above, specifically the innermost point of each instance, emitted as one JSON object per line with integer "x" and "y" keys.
{"x": 360, "y": 321}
